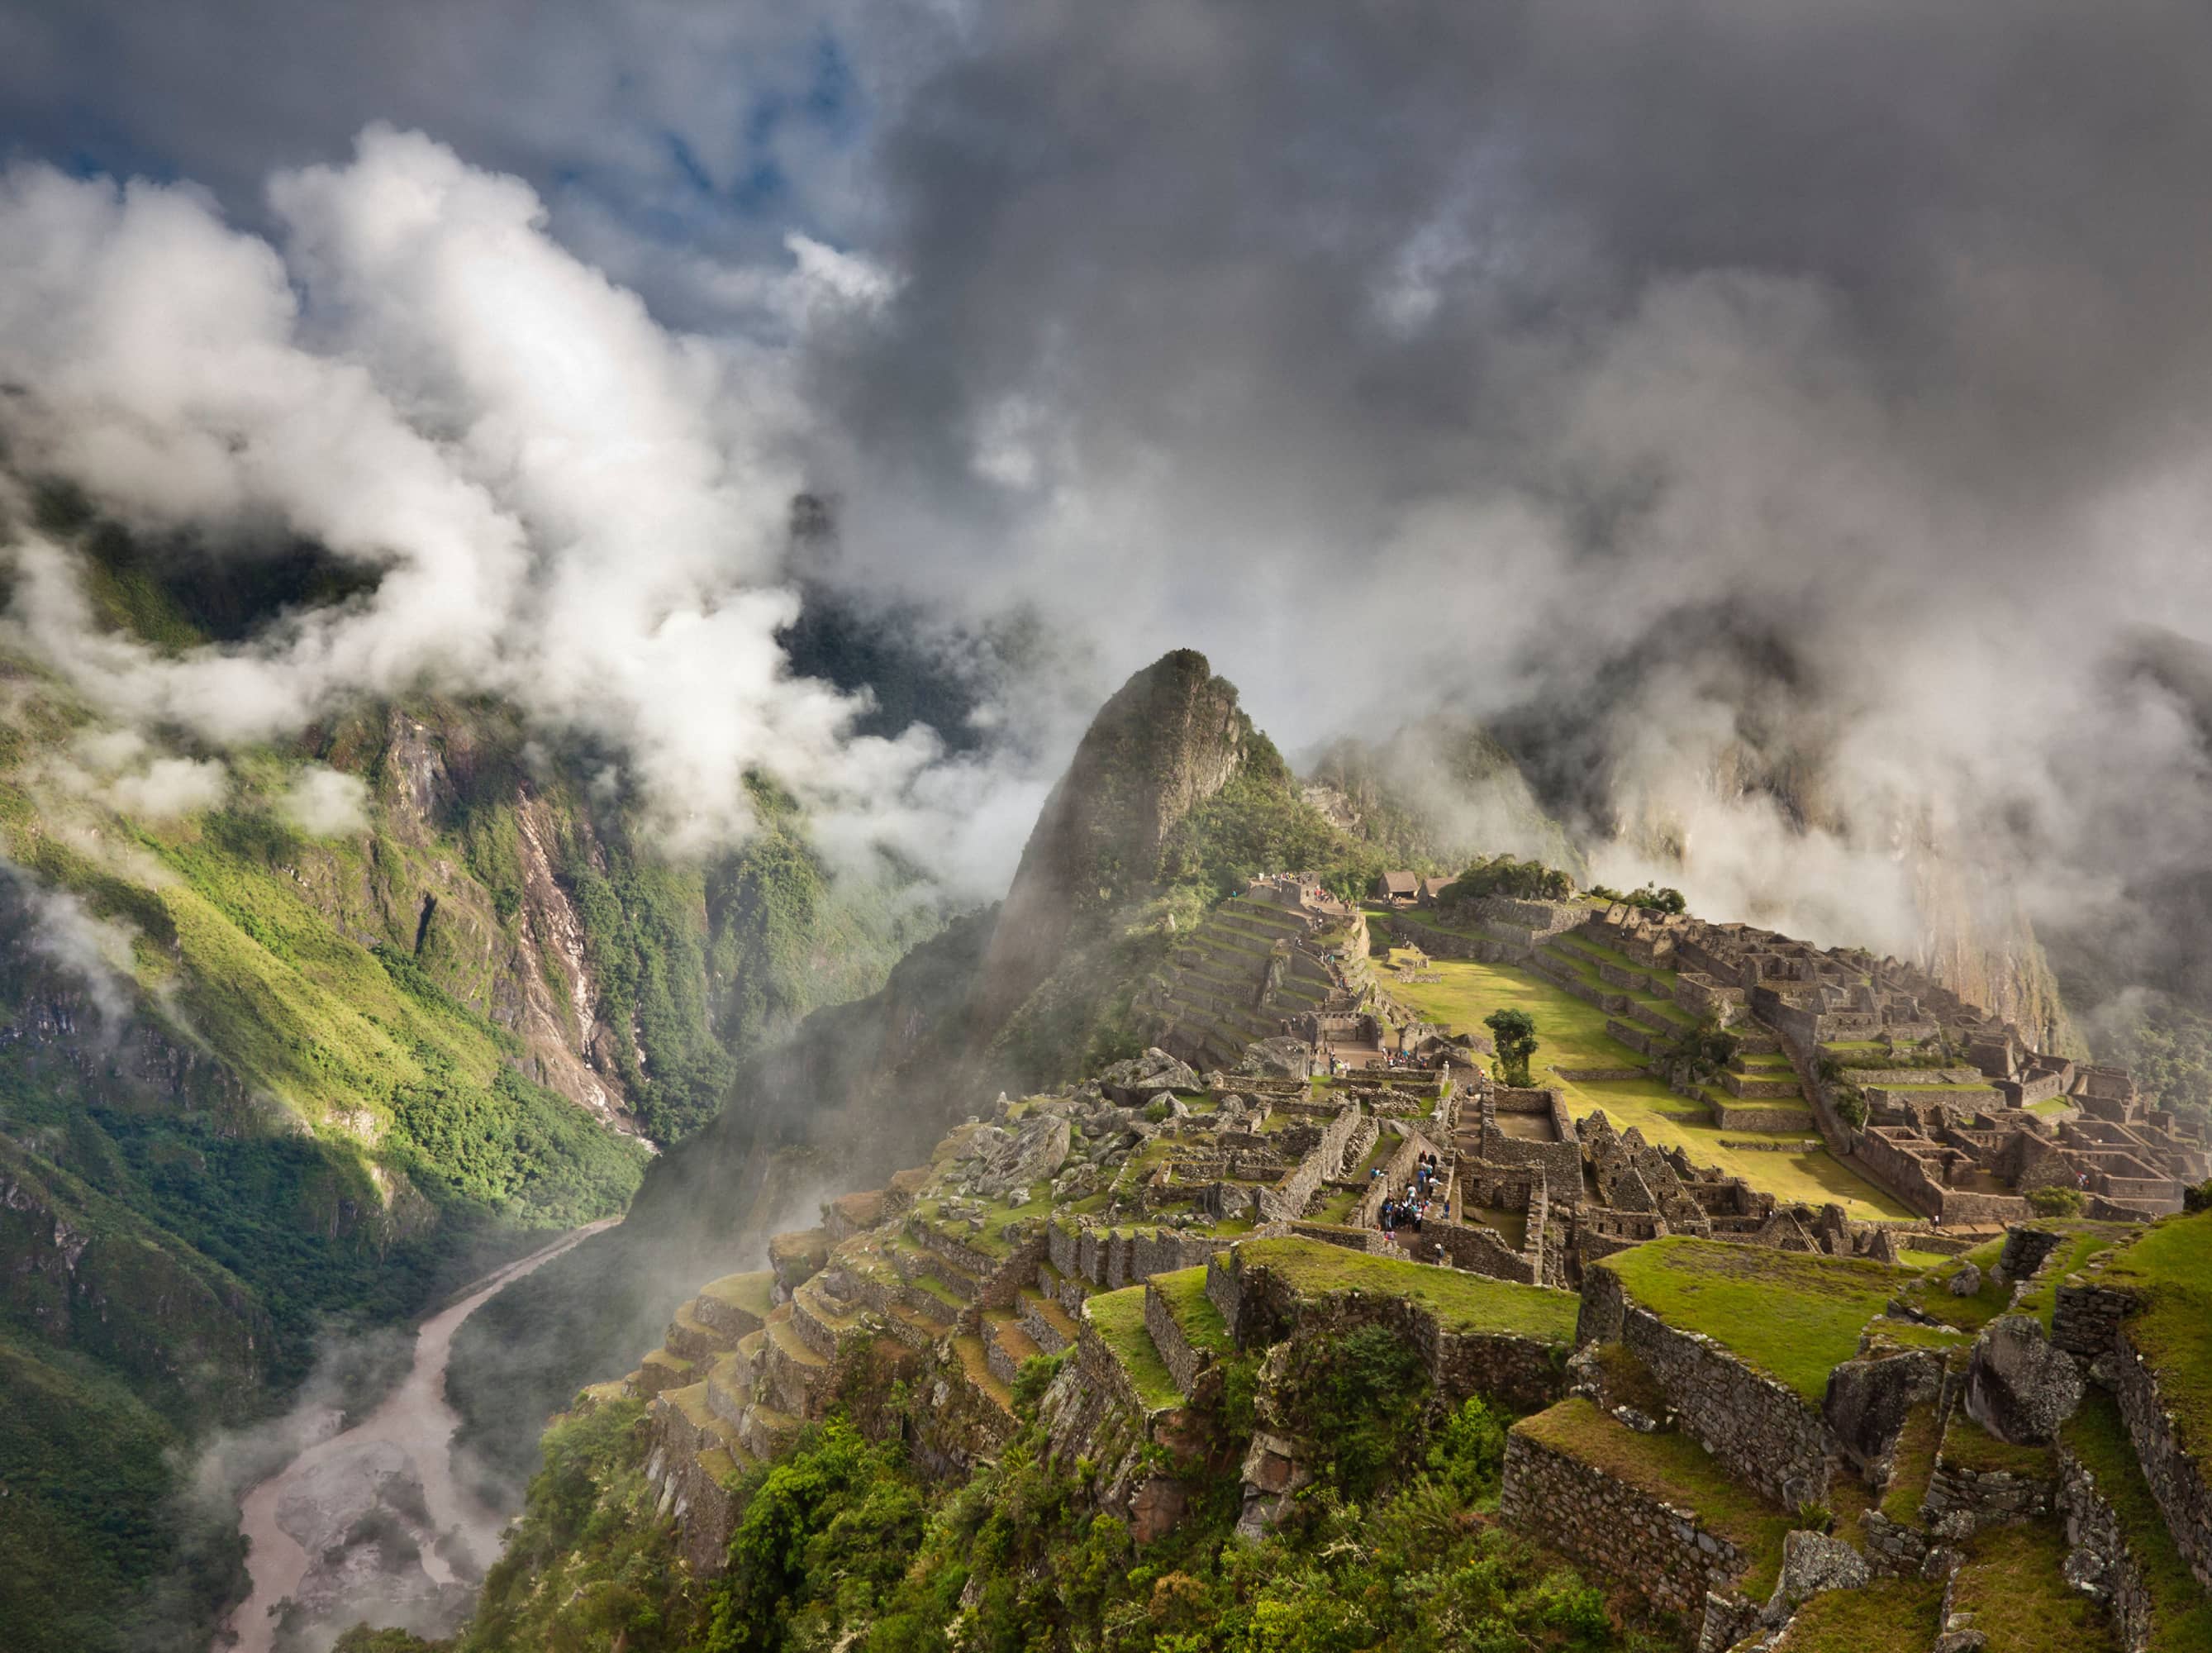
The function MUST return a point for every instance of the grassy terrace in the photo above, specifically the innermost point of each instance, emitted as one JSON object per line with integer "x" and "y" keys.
{"x": 1912, "y": 1464}
{"x": 2181, "y": 1617}
{"x": 1572, "y": 1034}
{"x": 1676, "y": 1469}
{"x": 1461, "y": 1302}
{"x": 1944, "y": 1339}
{"x": 2172, "y": 1266}
{"x": 1184, "y": 1294}
{"x": 1891, "y": 1615}
{"x": 1931, "y": 1293}
{"x": 747, "y": 1292}
{"x": 2014, "y": 1584}
{"x": 1791, "y": 1316}
{"x": 1970, "y": 1446}
{"x": 1118, "y": 1317}
{"x": 2080, "y": 1243}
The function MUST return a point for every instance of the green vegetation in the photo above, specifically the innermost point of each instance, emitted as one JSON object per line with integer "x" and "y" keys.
{"x": 2181, "y": 1617}
{"x": 97, "y": 1557}
{"x": 1461, "y": 1302}
{"x": 1574, "y": 1031}
{"x": 2166, "y": 1046}
{"x": 1514, "y": 1032}
{"x": 1932, "y": 1295}
{"x": 1890, "y": 1615}
{"x": 1911, "y": 1465}
{"x": 1792, "y": 1315}
{"x": 1676, "y": 1469}
{"x": 1119, "y": 1319}
{"x": 1501, "y": 875}
{"x": 1969, "y": 1446}
{"x": 2086, "y": 1240}
{"x": 2013, "y": 1584}
{"x": 843, "y": 1543}
{"x": 1201, "y": 1324}
{"x": 1657, "y": 898}
{"x": 2171, "y": 1266}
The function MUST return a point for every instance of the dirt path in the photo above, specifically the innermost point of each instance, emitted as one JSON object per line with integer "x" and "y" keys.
{"x": 415, "y": 1419}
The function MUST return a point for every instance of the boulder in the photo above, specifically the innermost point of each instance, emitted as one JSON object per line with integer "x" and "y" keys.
{"x": 1967, "y": 1281}
{"x": 1883, "y": 1247}
{"x": 1028, "y": 1155}
{"x": 1812, "y": 1562}
{"x": 2020, "y": 1388}
{"x": 1868, "y": 1400}
{"x": 1141, "y": 1078}
{"x": 1280, "y": 1058}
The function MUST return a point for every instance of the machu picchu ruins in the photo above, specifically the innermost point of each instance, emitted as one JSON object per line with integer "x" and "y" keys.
{"x": 1735, "y": 1401}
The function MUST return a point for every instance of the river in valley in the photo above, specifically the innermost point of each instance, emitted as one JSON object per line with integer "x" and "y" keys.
{"x": 375, "y": 1516}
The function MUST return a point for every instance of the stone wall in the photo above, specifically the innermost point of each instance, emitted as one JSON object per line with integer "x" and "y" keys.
{"x": 1615, "y": 1528}
{"x": 2086, "y": 1320}
{"x": 2176, "y": 1480}
{"x": 1262, "y": 1308}
{"x": 1966, "y": 1500}
{"x": 1111, "y": 1260}
{"x": 1703, "y": 996}
{"x": 1288, "y": 1198}
{"x": 1479, "y": 1250}
{"x": 1184, "y": 1362}
{"x": 1561, "y": 1160}
{"x": 1764, "y": 1431}
{"x": 2098, "y": 1560}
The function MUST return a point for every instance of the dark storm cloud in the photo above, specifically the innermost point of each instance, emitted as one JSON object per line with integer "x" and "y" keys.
{"x": 1536, "y": 343}
{"x": 1691, "y": 386}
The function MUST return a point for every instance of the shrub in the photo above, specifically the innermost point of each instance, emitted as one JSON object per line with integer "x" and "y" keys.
{"x": 1522, "y": 880}
{"x": 2055, "y": 1201}
{"x": 1850, "y": 1106}
{"x": 2198, "y": 1198}
{"x": 1158, "y": 1110}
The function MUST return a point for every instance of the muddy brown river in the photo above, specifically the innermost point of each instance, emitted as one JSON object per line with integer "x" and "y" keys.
{"x": 411, "y": 1431}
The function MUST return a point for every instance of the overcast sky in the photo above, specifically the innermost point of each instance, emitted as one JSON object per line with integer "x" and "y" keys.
{"x": 1641, "y": 378}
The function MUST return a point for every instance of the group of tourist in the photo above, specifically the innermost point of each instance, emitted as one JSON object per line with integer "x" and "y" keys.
{"x": 1408, "y": 1211}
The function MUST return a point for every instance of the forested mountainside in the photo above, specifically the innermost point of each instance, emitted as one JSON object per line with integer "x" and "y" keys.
{"x": 295, "y": 1039}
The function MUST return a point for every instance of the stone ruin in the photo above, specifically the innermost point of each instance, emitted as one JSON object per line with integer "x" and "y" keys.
{"x": 1947, "y": 1088}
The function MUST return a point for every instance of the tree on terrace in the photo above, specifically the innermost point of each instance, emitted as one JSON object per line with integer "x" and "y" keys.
{"x": 1514, "y": 1033}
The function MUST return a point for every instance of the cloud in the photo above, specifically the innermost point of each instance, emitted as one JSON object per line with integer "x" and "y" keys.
{"x": 1786, "y": 479}
{"x": 1779, "y": 422}
{"x": 559, "y": 500}
{"x": 96, "y": 951}
{"x": 325, "y": 803}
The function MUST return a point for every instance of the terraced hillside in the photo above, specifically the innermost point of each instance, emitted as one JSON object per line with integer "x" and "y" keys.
{"x": 1250, "y": 965}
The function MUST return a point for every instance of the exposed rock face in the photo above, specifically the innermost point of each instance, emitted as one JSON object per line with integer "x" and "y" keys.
{"x": 1142, "y": 1078}
{"x": 1868, "y": 1400}
{"x": 1011, "y": 1160}
{"x": 1276, "y": 1058}
{"x": 1168, "y": 740}
{"x": 2019, "y": 1387}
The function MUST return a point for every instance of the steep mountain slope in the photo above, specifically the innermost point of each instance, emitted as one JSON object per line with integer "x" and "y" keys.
{"x": 1172, "y": 800}
{"x": 294, "y": 1039}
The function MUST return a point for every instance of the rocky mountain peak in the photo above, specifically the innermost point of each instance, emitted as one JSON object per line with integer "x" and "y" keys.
{"x": 1169, "y": 738}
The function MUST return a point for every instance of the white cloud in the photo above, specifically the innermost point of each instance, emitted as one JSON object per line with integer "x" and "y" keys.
{"x": 325, "y": 803}
{"x": 563, "y": 502}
